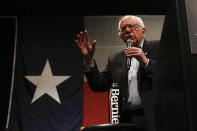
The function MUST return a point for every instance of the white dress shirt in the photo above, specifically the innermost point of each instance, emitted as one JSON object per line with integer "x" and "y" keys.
{"x": 134, "y": 98}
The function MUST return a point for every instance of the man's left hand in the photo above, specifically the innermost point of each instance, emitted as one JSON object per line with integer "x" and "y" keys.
{"x": 137, "y": 53}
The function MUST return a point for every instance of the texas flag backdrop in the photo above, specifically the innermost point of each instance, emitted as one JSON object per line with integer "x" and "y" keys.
{"x": 48, "y": 92}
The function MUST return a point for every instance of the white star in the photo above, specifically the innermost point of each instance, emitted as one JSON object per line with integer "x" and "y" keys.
{"x": 46, "y": 83}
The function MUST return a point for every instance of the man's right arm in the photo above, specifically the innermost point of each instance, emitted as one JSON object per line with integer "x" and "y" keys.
{"x": 99, "y": 82}
{"x": 96, "y": 80}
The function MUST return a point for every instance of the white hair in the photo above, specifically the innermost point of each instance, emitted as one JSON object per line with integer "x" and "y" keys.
{"x": 138, "y": 19}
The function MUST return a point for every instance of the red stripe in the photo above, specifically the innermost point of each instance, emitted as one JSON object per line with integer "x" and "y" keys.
{"x": 96, "y": 107}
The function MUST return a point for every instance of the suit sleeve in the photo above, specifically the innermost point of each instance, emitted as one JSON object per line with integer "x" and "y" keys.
{"x": 99, "y": 82}
{"x": 150, "y": 67}
{"x": 152, "y": 59}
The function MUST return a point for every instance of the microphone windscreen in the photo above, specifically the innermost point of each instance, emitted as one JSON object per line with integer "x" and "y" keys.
{"x": 129, "y": 43}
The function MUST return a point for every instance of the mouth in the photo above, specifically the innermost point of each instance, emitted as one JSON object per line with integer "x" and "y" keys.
{"x": 128, "y": 38}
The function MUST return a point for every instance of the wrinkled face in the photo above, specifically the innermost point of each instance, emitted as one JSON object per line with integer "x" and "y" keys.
{"x": 130, "y": 29}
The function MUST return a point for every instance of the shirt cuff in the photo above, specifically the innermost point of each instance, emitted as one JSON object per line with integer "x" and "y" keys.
{"x": 87, "y": 68}
{"x": 147, "y": 63}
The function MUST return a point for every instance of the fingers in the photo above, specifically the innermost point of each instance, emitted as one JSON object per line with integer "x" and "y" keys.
{"x": 93, "y": 45}
{"x": 85, "y": 46}
{"x": 133, "y": 51}
{"x": 83, "y": 41}
{"x": 86, "y": 36}
{"x": 81, "y": 37}
{"x": 137, "y": 53}
{"x": 78, "y": 43}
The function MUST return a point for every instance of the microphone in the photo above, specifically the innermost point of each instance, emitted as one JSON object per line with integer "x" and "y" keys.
{"x": 129, "y": 44}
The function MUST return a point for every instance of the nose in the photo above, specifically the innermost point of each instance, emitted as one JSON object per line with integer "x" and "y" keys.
{"x": 128, "y": 29}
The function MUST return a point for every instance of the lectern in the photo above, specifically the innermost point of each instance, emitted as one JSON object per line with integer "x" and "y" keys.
{"x": 114, "y": 127}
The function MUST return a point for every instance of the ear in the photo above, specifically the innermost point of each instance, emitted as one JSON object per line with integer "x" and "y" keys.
{"x": 143, "y": 31}
{"x": 121, "y": 36}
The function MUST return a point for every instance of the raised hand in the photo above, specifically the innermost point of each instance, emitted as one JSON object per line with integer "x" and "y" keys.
{"x": 87, "y": 48}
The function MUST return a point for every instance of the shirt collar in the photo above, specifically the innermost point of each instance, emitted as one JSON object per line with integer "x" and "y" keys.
{"x": 142, "y": 43}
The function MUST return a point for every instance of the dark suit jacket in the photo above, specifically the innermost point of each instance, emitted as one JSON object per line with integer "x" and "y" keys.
{"x": 116, "y": 71}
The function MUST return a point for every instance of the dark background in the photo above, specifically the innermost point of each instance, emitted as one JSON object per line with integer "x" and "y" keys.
{"x": 84, "y": 7}
{"x": 176, "y": 73}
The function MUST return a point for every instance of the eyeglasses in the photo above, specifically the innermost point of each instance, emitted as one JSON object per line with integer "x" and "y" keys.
{"x": 131, "y": 28}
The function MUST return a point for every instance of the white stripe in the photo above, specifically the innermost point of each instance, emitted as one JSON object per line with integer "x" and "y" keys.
{"x": 13, "y": 70}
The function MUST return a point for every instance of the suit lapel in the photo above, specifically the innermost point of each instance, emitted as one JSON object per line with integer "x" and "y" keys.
{"x": 124, "y": 75}
{"x": 145, "y": 48}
